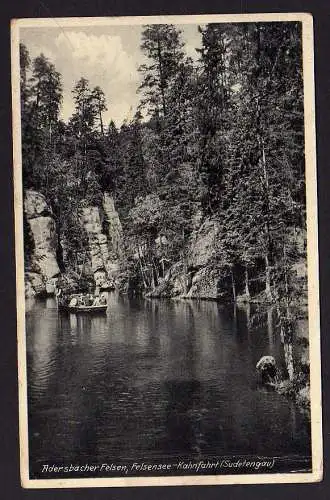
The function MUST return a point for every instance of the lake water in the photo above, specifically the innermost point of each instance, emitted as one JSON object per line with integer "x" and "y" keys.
{"x": 155, "y": 381}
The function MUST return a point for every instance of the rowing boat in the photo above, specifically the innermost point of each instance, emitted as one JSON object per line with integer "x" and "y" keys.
{"x": 73, "y": 304}
{"x": 85, "y": 309}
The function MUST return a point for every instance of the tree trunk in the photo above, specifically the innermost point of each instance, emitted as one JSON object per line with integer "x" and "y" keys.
{"x": 268, "y": 290}
{"x": 270, "y": 326}
{"x": 247, "y": 289}
{"x": 101, "y": 122}
{"x": 50, "y": 133}
{"x": 263, "y": 162}
{"x": 286, "y": 333}
{"x": 141, "y": 269}
{"x": 155, "y": 272}
{"x": 161, "y": 76}
{"x": 233, "y": 284}
{"x": 248, "y": 317}
{"x": 288, "y": 353}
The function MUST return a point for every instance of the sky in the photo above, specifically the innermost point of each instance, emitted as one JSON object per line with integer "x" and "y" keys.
{"x": 108, "y": 56}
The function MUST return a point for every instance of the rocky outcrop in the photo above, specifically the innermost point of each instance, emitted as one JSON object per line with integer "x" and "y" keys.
{"x": 43, "y": 262}
{"x": 114, "y": 235}
{"x": 34, "y": 284}
{"x": 205, "y": 284}
{"x": 297, "y": 388}
{"x": 303, "y": 397}
{"x": 205, "y": 278}
{"x": 115, "y": 230}
{"x": 104, "y": 232}
{"x": 267, "y": 370}
{"x": 175, "y": 283}
{"x": 97, "y": 242}
{"x": 197, "y": 277}
{"x": 202, "y": 244}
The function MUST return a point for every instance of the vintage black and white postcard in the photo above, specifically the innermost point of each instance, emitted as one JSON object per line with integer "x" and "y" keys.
{"x": 166, "y": 250}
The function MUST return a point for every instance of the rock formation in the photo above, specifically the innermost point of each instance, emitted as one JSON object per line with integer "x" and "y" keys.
{"x": 104, "y": 232}
{"x": 267, "y": 370}
{"x": 196, "y": 278}
{"x": 98, "y": 250}
{"x": 114, "y": 235}
{"x": 202, "y": 244}
{"x": 43, "y": 263}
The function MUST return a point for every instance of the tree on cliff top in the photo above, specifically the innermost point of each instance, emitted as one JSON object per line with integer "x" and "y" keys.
{"x": 162, "y": 46}
{"x": 25, "y": 61}
{"x": 213, "y": 111}
{"x": 46, "y": 91}
{"x": 41, "y": 97}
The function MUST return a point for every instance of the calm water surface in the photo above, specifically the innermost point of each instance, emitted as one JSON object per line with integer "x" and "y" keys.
{"x": 155, "y": 381}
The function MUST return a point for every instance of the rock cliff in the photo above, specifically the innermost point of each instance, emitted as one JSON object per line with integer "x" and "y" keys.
{"x": 43, "y": 264}
{"x": 104, "y": 232}
{"x": 114, "y": 232}
{"x": 195, "y": 278}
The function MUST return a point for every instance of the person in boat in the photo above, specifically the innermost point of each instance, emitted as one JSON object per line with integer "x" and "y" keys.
{"x": 100, "y": 300}
{"x": 62, "y": 298}
{"x": 103, "y": 299}
{"x": 59, "y": 296}
{"x": 81, "y": 301}
{"x": 96, "y": 301}
{"x": 73, "y": 302}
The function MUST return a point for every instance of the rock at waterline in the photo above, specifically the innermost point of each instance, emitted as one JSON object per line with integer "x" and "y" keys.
{"x": 104, "y": 243}
{"x": 35, "y": 205}
{"x": 41, "y": 221}
{"x": 303, "y": 396}
{"x": 267, "y": 370}
{"x": 115, "y": 230}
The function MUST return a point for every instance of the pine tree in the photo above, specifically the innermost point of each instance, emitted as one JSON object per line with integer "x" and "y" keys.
{"x": 89, "y": 147}
{"x": 98, "y": 97}
{"x": 46, "y": 91}
{"x": 132, "y": 182}
{"x": 25, "y": 62}
{"x": 162, "y": 46}
{"x": 213, "y": 111}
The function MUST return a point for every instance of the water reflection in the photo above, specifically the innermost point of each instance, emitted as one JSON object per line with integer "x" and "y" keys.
{"x": 154, "y": 379}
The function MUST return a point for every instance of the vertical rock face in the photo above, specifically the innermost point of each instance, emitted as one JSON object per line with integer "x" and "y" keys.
{"x": 104, "y": 246}
{"x": 42, "y": 225}
{"x": 114, "y": 233}
{"x": 205, "y": 281}
{"x": 196, "y": 277}
{"x": 103, "y": 229}
{"x": 115, "y": 230}
{"x": 98, "y": 251}
{"x": 202, "y": 244}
